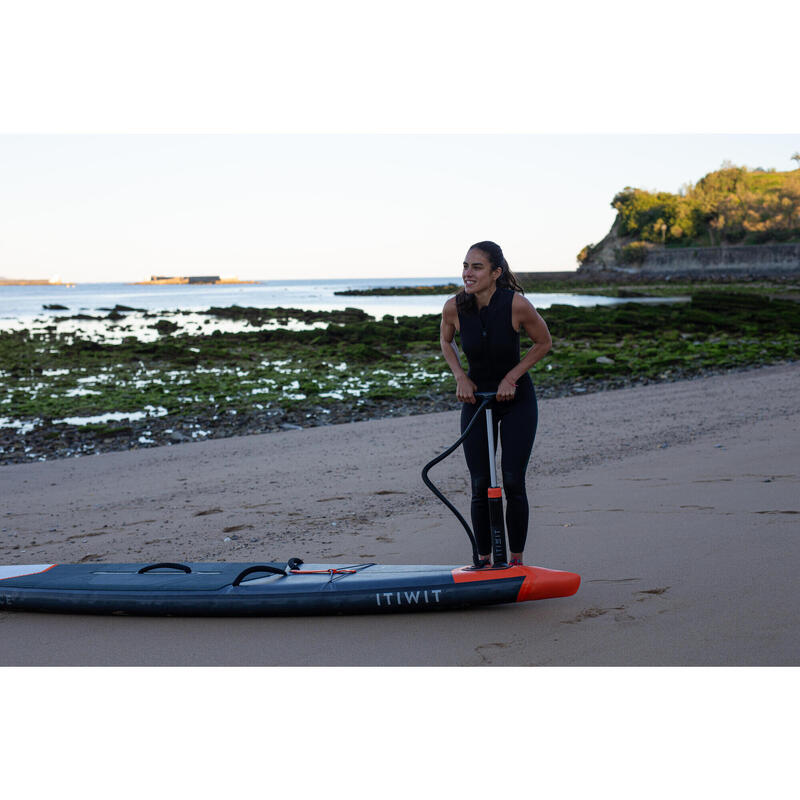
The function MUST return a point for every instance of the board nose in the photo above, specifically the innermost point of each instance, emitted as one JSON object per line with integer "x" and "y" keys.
{"x": 542, "y": 584}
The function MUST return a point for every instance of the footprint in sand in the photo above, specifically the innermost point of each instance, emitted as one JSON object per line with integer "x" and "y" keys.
{"x": 87, "y": 535}
{"x": 207, "y": 511}
{"x": 648, "y": 593}
{"x": 590, "y": 613}
{"x": 491, "y": 648}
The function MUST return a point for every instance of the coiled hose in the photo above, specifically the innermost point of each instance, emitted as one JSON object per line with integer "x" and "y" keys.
{"x": 429, "y": 483}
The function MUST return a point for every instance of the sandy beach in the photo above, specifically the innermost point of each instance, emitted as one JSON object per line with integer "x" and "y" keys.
{"x": 678, "y": 504}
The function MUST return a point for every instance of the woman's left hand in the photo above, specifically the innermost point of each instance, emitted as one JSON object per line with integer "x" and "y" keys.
{"x": 506, "y": 390}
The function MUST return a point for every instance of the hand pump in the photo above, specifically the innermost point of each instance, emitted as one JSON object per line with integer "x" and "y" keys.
{"x": 495, "y": 495}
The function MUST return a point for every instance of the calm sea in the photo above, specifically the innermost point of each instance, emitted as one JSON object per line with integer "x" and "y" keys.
{"x": 22, "y": 304}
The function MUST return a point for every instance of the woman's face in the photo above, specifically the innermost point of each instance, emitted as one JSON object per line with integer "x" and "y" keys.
{"x": 477, "y": 272}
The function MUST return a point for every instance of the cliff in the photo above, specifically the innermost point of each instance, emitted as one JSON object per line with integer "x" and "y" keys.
{"x": 733, "y": 220}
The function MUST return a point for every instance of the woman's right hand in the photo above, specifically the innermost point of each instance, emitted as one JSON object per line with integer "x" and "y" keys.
{"x": 465, "y": 390}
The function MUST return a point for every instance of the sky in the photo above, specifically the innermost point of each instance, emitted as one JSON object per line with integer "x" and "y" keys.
{"x": 89, "y": 208}
{"x": 307, "y": 140}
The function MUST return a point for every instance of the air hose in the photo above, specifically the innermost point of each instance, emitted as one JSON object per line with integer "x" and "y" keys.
{"x": 427, "y": 481}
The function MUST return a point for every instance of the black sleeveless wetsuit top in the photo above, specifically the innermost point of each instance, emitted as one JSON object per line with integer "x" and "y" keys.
{"x": 490, "y": 342}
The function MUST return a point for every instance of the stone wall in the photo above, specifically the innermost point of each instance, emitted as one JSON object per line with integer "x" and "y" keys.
{"x": 763, "y": 258}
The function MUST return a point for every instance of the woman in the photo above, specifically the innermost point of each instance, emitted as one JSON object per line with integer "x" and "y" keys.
{"x": 489, "y": 313}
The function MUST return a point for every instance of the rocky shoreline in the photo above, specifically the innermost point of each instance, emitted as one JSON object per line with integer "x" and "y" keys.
{"x": 57, "y": 441}
{"x": 66, "y": 394}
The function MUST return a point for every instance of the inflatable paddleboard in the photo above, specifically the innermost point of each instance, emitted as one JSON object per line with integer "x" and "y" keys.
{"x": 270, "y": 588}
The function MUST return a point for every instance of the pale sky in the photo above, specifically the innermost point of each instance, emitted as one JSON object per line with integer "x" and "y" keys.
{"x": 120, "y": 207}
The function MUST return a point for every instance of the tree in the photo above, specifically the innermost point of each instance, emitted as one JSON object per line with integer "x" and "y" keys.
{"x": 727, "y": 206}
{"x": 796, "y": 157}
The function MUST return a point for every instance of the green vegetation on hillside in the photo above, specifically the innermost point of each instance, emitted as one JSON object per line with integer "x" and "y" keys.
{"x": 733, "y": 205}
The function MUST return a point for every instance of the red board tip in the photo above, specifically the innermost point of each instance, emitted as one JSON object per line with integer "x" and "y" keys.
{"x": 541, "y": 584}
{"x": 538, "y": 583}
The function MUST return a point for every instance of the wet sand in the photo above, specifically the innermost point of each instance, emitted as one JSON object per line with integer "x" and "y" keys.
{"x": 678, "y": 503}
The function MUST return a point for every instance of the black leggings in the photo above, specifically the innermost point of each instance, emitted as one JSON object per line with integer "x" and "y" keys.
{"x": 517, "y": 421}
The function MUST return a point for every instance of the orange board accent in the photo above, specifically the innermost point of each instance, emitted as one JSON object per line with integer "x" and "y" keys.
{"x": 538, "y": 583}
{"x": 494, "y": 491}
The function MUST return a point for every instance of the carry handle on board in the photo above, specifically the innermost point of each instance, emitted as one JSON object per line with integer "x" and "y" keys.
{"x": 165, "y": 565}
{"x": 257, "y": 568}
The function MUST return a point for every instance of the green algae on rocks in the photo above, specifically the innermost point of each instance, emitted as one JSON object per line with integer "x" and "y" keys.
{"x": 68, "y": 388}
{"x": 390, "y": 291}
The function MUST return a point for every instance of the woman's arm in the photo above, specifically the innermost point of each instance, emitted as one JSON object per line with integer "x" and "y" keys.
{"x": 465, "y": 388}
{"x": 525, "y": 316}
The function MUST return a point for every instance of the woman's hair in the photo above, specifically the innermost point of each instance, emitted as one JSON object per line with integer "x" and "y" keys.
{"x": 466, "y": 303}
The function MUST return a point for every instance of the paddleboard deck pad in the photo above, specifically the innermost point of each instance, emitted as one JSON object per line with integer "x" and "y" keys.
{"x": 270, "y": 588}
